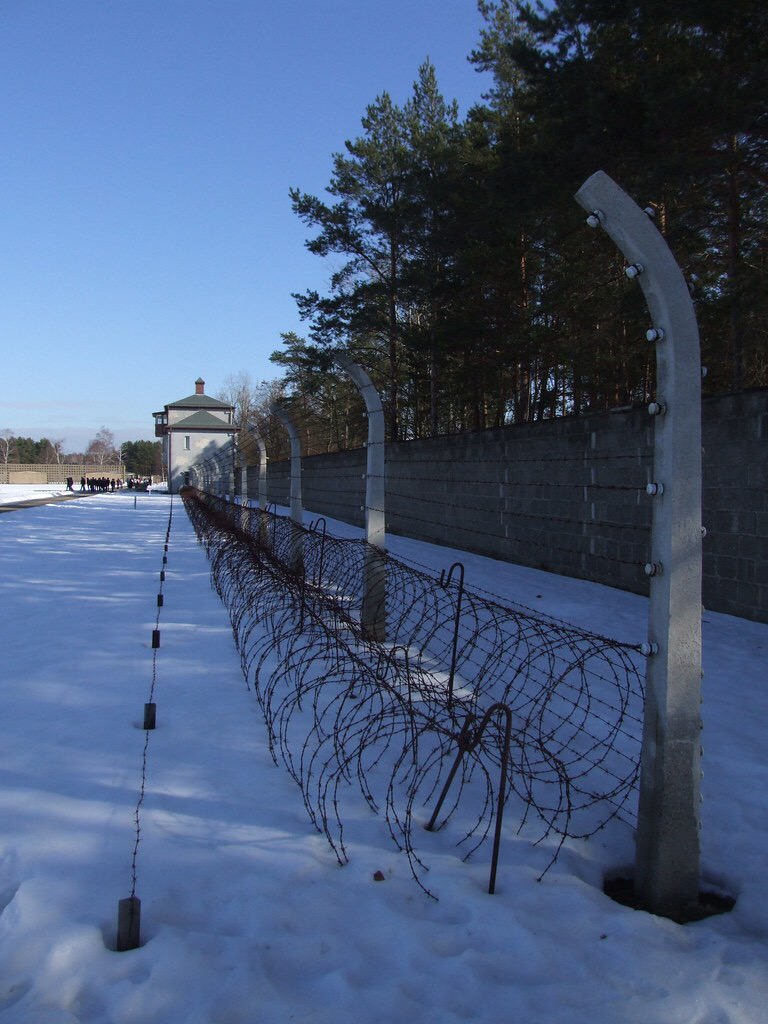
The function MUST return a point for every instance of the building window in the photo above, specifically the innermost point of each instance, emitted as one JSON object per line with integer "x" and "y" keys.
{"x": 186, "y": 442}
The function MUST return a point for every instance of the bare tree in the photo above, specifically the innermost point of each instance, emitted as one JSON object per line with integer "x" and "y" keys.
{"x": 51, "y": 450}
{"x": 102, "y": 448}
{"x": 249, "y": 399}
{"x": 57, "y": 446}
{"x": 7, "y": 445}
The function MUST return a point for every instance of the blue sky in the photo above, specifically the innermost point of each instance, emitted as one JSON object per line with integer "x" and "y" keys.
{"x": 146, "y": 234}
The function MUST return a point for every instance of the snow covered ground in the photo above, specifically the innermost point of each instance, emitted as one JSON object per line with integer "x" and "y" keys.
{"x": 10, "y": 493}
{"x": 246, "y": 916}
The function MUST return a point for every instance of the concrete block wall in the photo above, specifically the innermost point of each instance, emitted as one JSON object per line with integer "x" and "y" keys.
{"x": 332, "y": 485}
{"x": 562, "y": 495}
{"x": 735, "y": 443}
{"x": 568, "y": 496}
{"x": 55, "y": 473}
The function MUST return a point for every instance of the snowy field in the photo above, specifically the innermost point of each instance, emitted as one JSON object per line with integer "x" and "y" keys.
{"x": 246, "y": 916}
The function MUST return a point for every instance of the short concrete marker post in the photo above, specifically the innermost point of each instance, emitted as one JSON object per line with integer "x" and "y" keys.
{"x": 128, "y": 924}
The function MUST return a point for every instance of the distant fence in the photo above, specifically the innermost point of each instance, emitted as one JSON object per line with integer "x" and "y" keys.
{"x": 567, "y": 495}
{"x": 55, "y": 473}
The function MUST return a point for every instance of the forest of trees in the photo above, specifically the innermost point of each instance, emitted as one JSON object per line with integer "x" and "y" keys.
{"x": 143, "y": 458}
{"x": 466, "y": 280}
{"x": 27, "y": 450}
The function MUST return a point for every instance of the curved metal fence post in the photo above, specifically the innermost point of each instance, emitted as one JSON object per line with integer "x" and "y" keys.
{"x": 667, "y": 845}
{"x": 262, "y": 487}
{"x": 245, "y": 515}
{"x": 373, "y": 615}
{"x": 227, "y": 458}
{"x": 262, "y": 479}
{"x": 296, "y": 557}
{"x": 223, "y": 473}
{"x": 232, "y": 468}
{"x": 262, "y": 471}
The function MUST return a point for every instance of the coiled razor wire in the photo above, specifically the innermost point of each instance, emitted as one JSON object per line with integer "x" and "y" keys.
{"x": 419, "y": 708}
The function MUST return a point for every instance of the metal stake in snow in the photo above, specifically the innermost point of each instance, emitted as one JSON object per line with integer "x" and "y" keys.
{"x": 295, "y": 486}
{"x": 667, "y": 846}
{"x": 373, "y": 617}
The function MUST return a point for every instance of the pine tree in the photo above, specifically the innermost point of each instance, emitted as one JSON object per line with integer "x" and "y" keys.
{"x": 365, "y": 225}
{"x": 670, "y": 100}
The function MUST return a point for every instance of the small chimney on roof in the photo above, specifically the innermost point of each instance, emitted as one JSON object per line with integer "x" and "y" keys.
{"x": 199, "y": 386}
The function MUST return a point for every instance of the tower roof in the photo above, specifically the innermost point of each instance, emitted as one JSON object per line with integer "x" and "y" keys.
{"x": 202, "y": 420}
{"x": 199, "y": 400}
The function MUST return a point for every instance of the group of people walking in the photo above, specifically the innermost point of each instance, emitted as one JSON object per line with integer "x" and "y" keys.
{"x": 104, "y": 483}
{"x": 94, "y": 483}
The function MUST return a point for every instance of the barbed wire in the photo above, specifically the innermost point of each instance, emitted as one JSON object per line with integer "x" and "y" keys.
{"x": 147, "y": 732}
{"x": 397, "y": 717}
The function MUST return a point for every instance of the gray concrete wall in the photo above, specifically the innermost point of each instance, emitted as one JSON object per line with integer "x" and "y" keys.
{"x": 735, "y": 442}
{"x": 568, "y": 496}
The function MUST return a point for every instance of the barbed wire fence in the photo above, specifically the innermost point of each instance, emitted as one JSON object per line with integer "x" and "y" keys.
{"x": 572, "y": 498}
{"x": 575, "y": 518}
{"x": 129, "y": 908}
{"x": 467, "y": 701}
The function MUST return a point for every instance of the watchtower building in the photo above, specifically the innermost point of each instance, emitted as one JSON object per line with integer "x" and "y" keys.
{"x": 192, "y": 430}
